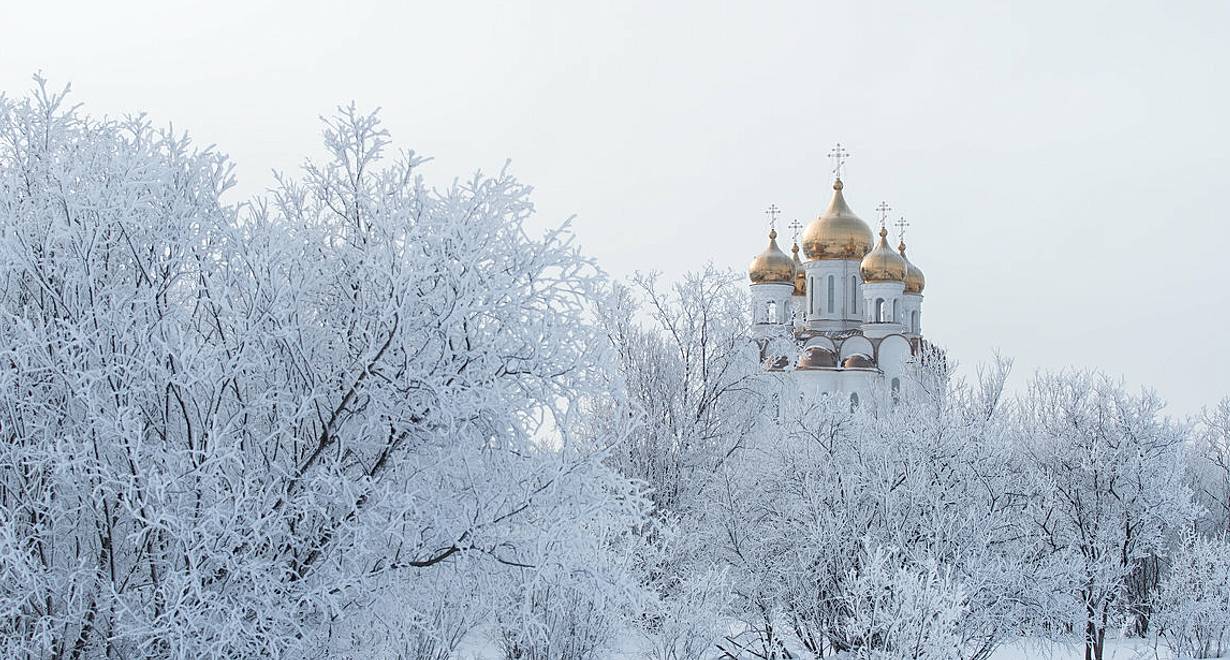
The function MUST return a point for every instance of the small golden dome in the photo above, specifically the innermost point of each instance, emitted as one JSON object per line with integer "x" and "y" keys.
{"x": 837, "y": 233}
{"x": 800, "y": 278}
{"x": 771, "y": 266}
{"x": 914, "y": 280}
{"x": 882, "y": 264}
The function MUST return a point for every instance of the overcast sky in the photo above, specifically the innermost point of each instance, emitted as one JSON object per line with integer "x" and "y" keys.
{"x": 1063, "y": 164}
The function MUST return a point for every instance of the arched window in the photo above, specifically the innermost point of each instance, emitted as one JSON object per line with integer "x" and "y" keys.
{"x": 880, "y": 311}
{"x": 895, "y": 317}
{"x": 853, "y": 401}
{"x": 853, "y": 295}
{"x": 832, "y": 296}
{"x": 770, "y": 315}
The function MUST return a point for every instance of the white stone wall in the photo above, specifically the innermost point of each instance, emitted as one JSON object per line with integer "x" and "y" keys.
{"x": 842, "y": 383}
{"x": 883, "y": 308}
{"x": 893, "y": 355}
{"x": 843, "y": 309}
{"x": 771, "y": 304}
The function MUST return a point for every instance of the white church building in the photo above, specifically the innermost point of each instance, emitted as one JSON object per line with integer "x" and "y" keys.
{"x": 848, "y": 320}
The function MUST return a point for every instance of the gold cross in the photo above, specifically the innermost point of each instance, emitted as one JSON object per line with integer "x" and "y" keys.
{"x": 838, "y": 155}
{"x": 901, "y": 224}
{"x": 883, "y": 208}
{"x": 795, "y": 226}
{"x": 772, "y": 212}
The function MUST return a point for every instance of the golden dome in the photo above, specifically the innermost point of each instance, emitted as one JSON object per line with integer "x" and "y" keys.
{"x": 837, "y": 233}
{"x": 800, "y": 278}
{"x": 882, "y": 264}
{"x": 771, "y": 266}
{"x": 914, "y": 280}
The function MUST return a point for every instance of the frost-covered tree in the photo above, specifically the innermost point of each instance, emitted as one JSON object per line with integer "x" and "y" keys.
{"x": 687, "y": 365}
{"x": 1209, "y": 465}
{"x": 899, "y": 609}
{"x": 1193, "y": 603}
{"x": 335, "y": 421}
{"x": 1107, "y": 490}
{"x": 926, "y": 475}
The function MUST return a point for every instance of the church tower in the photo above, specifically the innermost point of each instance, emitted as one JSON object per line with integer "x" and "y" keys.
{"x": 834, "y": 245}
{"x": 772, "y": 276}
{"x": 883, "y": 272}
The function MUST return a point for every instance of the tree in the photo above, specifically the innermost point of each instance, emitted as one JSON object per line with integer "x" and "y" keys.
{"x": 822, "y": 492}
{"x": 687, "y": 367}
{"x": 903, "y": 610}
{"x": 685, "y": 362}
{"x": 1107, "y": 491}
{"x": 1193, "y": 603}
{"x": 1210, "y": 468}
{"x": 288, "y": 427}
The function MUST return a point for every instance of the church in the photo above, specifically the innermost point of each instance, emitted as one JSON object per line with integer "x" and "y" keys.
{"x": 846, "y": 320}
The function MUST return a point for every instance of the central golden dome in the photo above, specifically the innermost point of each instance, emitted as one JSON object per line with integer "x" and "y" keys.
{"x": 882, "y": 264}
{"x": 914, "y": 280}
{"x": 771, "y": 266}
{"x": 837, "y": 233}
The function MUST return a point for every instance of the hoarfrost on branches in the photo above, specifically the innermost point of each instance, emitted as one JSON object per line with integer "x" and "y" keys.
{"x": 273, "y": 428}
{"x": 1193, "y": 601}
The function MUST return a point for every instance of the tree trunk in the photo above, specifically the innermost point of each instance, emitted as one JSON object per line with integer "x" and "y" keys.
{"x": 1092, "y": 652}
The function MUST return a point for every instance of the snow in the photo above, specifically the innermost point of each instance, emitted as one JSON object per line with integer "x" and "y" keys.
{"x": 1116, "y": 649}
{"x": 477, "y": 647}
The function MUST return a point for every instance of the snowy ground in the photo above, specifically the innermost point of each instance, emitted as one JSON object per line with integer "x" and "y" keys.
{"x": 1128, "y": 649}
{"x": 1025, "y": 649}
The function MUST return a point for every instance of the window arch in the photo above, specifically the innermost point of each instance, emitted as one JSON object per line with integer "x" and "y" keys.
{"x": 880, "y": 311}
{"x": 853, "y": 295}
{"x": 771, "y": 312}
{"x": 832, "y": 296}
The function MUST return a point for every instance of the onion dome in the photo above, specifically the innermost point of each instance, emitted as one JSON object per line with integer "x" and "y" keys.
{"x": 914, "y": 280}
{"x": 771, "y": 266}
{"x": 882, "y": 264}
{"x": 800, "y": 277}
{"x": 817, "y": 357}
{"x": 837, "y": 233}
{"x": 859, "y": 361}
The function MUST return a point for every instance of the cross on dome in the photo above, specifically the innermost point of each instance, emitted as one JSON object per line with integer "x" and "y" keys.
{"x": 901, "y": 224}
{"x": 838, "y": 155}
{"x": 795, "y": 226}
{"x": 883, "y": 208}
{"x": 772, "y": 212}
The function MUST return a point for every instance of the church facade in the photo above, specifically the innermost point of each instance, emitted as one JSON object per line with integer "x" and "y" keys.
{"x": 847, "y": 319}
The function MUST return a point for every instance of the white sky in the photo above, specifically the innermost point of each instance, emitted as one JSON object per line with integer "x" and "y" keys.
{"x": 1063, "y": 164}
